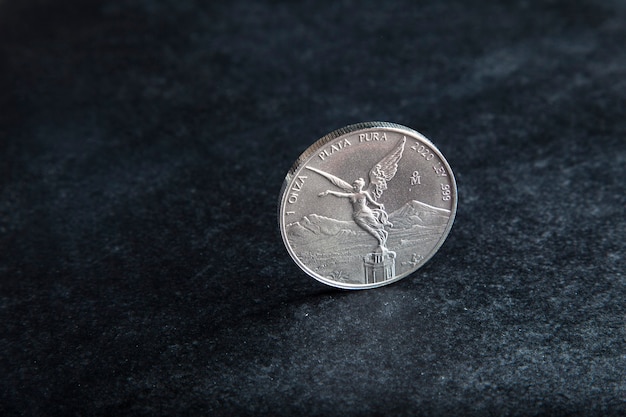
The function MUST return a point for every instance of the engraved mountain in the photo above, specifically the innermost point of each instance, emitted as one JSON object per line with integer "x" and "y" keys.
{"x": 416, "y": 213}
{"x": 336, "y": 247}
{"x": 320, "y": 225}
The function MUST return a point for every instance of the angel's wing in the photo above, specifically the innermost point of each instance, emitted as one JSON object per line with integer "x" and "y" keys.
{"x": 335, "y": 180}
{"x": 385, "y": 171}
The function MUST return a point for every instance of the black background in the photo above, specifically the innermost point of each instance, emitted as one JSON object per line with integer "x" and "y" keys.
{"x": 143, "y": 146}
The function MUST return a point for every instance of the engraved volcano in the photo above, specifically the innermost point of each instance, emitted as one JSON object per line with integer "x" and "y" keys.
{"x": 416, "y": 213}
{"x": 335, "y": 248}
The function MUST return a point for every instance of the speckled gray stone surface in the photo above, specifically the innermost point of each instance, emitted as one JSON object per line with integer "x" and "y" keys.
{"x": 142, "y": 148}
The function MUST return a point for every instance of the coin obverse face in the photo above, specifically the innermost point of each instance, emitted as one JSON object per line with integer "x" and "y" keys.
{"x": 367, "y": 205}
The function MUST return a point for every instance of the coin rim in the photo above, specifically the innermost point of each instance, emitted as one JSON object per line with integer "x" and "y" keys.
{"x": 312, "y": 150}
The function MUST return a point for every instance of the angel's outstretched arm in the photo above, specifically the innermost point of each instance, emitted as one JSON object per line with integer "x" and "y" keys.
{"x": 335, "y": 193}
{"x": 334, "y": 180}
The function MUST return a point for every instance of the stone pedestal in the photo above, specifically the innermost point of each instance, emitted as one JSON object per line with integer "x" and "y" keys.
{"x": 379, "y": 265}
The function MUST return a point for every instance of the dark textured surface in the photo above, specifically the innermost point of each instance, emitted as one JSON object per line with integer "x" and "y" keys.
{"x": 143, "y": 146}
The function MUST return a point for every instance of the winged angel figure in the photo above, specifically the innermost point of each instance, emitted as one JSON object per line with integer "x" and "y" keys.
{"x": 372, "y": 220}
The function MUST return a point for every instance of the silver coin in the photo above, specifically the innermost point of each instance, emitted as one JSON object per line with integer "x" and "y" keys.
{"x": 367, "y": 205}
